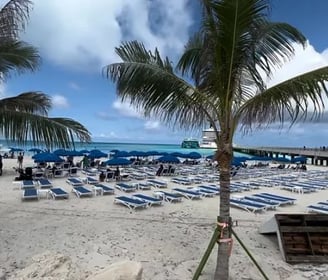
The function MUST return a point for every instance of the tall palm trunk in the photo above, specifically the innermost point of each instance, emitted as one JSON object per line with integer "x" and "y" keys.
{"x": 224, "y": 157}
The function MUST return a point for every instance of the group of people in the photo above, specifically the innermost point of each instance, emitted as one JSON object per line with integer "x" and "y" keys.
{"x": 162, "y": 170}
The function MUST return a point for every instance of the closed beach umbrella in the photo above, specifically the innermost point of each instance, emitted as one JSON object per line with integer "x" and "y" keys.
{"x": 118, "y": 161}
{"x": 168, "y": 159}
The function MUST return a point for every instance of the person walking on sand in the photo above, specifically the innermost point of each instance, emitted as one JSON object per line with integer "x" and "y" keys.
{"x": 20, "y": 159}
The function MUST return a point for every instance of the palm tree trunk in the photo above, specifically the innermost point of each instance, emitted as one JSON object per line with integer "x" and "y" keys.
{"x": 225, "y": 153}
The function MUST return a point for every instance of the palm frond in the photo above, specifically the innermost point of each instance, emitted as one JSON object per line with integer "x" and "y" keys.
{"x": 53, "y": 132}
{"x": 17, "y": 56}
{"x": 290, "y": 100}
{"x": 147, "y": 81}
{"x": 30, "y": 102}
{"x": 13, "y": 17}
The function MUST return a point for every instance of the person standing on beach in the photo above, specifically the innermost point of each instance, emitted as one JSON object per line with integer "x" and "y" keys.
{"x": 1, "y": 165}
{"x": 20, "y": 159}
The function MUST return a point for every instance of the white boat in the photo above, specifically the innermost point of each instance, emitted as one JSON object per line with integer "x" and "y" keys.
{"x": 208, "y": 139}
{"x": 190, "y": 143}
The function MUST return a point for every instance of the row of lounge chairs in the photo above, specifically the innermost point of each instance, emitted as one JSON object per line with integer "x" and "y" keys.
{"x": 260, "y": 202}
{"x": 320, "y": 207}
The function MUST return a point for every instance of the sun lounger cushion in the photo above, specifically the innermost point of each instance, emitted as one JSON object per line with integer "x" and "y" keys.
{"x": 130, "y": 202}
{"x": 30, "y": 193}
{"x": 149, "y": 199}
{"x": 82, "y": 191}
{"x": 58, "y": 193}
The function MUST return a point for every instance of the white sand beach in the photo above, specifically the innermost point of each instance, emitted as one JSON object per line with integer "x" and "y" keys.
{"x": 79, "y": 237}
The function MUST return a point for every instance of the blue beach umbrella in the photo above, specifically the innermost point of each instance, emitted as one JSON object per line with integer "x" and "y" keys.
{"x": 118, "y": 161}
{"x": 13, "y": 149}
{"x": 168, "y": 159}
{"x": 178, "y": 154}
{"x": 281, "y": 159}
{"x": 194, "y": 155}
{"x": 122, "y": 154}
{"x": 260, "y": 158}
{"x": 97, "y": 154}
{"x": 35, "y": 150}
{"x": 47, "y": 157}
{"x": 85, "y": 151}
{"x": 61, "y": 152}
{"x": 299, "y": 160}
{"x": 153, "y": 153}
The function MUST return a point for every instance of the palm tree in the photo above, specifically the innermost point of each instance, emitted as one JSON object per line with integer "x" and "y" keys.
{"x": 25, "y": 116}
{"x": 229, "y": 59}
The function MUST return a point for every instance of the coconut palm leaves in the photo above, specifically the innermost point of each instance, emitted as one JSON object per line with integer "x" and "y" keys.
{"x": 25, "y": 117}
{"x": 236, "y": 50}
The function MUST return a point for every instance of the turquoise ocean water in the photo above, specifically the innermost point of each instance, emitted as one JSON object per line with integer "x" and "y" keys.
{"x": 106, "y": 147}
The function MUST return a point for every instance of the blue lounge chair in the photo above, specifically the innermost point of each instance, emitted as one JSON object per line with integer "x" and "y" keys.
{"x": 105, "y": 189}
{"x": 149, "y": 199}
{"x": 81, "y": 191}
{"x": 30, "y": 193}
{"x": 58, "y": 193}
{"x": 28, "y": 184}
{"x": 274, "y": 197}
{"x": 131, "y": 203}
{"x": 182, "y": 181}
{"x": 269, "y": 204}
{"x": 210, "y": 188}
{"x": 247, "y": 205}
{"x": 44, "y": 184}
{"x": 74, "y": 182}
{"x": 204, "y": 192}
{"x": 157, "y": 183}
{"x": 318, "y": 209}
{"x": 206, "y": 189}
{"x": 144, "y": 186}
{"x": 169, "y": 197}
{"x": 189, "y": 194}
{"x": 125, "y": 187}
{"x": 92, "y": 181}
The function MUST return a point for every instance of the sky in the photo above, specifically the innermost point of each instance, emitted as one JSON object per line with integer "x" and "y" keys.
{"x": 77, "y": 38}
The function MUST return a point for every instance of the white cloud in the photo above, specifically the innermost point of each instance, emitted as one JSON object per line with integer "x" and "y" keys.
{"x": 304, "y": 61}
{"x": 59, "y": 101}
{"x": 84, "y": 34}
{"x": 152, "y": 125}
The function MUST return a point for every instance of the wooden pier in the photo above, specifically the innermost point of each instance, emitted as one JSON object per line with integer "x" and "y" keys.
{"x": 314, "y": 156}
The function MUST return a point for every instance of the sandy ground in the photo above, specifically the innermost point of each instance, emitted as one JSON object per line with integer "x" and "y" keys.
{"x": 78, "y": 237}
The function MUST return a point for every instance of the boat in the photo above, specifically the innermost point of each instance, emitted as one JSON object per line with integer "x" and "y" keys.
{"x": 190, "y": 143}
{"x": 208, "y": 139}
